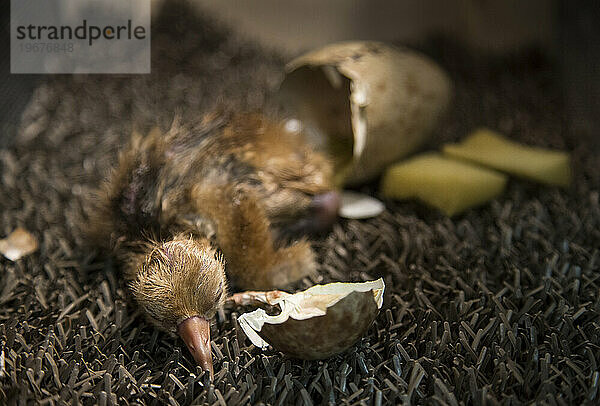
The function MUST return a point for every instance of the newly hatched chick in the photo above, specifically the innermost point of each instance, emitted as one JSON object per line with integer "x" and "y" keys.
{"x": 186, "y": 208}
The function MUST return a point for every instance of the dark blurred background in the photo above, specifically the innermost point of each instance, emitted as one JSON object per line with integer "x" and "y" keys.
{"x": 566, "y": 31}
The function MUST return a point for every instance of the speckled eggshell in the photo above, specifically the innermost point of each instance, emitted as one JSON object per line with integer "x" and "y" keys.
{"x": 385, "y": 100}
{"x": 324, "y": 336}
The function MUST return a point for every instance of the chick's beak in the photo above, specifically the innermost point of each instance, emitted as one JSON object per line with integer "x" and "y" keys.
{"x": 324, "y": 209}
{"x": 195, "y": 333}
{"x": 321, "y": 214}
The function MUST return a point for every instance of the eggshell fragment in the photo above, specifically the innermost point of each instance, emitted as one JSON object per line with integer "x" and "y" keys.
{"x": 316, "y": 323}
{"x": 447, "y": 184}
{"x": 18, "y": 244}
{"x": 359, "y": 206}
{"x": 366, "y": 102}
{"x": 489, "y": 148}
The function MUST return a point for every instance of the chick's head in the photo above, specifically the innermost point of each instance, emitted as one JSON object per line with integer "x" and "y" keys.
{"x": 180, "y": 284}
{"x": 295, "y": 180}
{"x": 179, "y": 279}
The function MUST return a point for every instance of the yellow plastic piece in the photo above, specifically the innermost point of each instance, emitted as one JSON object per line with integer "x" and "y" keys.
{"x": 489, "y": 148}
{"x": 447, "y": 184}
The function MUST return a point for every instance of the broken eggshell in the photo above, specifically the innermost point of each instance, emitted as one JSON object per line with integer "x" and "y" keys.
{"x": 359, "y": 206}
{"x": 367, "y": 103}
{"x": 316, "y": 323}
{"x": 18, "y": 244}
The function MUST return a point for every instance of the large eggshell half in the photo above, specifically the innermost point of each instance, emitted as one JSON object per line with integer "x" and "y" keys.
{"x": 376, "y": 102}
{"x": 316, "y": 323}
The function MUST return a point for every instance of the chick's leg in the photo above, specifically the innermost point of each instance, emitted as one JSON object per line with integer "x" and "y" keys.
{"x": 243, "y": 234}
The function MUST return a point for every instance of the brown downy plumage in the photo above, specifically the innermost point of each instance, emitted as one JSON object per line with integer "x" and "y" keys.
{"x": 184, "y": 208}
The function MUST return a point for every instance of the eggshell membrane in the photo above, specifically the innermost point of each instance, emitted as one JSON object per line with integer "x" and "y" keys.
{"x": 319, "y": 322}
{"x": 359, "y": 206}
{"x": 395, "y": 98}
